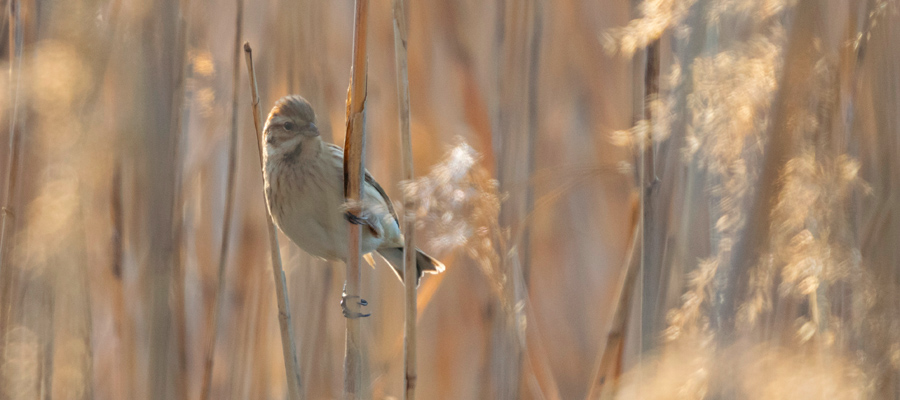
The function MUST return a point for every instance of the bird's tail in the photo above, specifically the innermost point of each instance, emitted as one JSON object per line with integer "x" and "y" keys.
{"x": 424, "y": 262}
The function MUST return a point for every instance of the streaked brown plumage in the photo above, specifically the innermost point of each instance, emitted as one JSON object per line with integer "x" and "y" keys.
{"x": 304, "y": 192}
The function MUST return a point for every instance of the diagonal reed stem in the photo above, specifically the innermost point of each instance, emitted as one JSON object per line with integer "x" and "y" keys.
{"x": 615, "y": 338}
{"x": 288, "y": 348}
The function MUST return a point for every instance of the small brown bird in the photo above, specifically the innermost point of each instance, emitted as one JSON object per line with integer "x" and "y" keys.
{"x": 304, "y": 184}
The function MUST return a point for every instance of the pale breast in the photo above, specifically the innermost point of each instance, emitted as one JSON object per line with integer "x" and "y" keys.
{"x": 305, "y": 203}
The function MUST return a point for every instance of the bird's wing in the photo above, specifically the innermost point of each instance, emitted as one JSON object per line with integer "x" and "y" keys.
{"x": 339, "y": 153}
{"x": 387, "y": 200}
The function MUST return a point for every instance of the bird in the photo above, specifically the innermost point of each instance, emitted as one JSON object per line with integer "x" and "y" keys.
{"x": 304, "y": 186}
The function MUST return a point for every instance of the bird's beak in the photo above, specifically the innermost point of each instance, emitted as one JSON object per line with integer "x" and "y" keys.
{"x": 313, "y": 129}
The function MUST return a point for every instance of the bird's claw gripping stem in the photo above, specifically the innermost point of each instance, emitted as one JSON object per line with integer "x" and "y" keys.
{"x": 346, "y": 311}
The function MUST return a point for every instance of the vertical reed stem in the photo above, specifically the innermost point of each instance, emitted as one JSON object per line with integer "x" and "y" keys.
{"x": 13, "y": 171}
{"x": 7, "y": 213}
{"x": 409, "y": 202}
{"x": 165, "y": 156}
{"x": 288, "y": 348}
{"x": 354, "y": 151}
{"x": 651, "y": 270}
{"x": 206, "y": 385}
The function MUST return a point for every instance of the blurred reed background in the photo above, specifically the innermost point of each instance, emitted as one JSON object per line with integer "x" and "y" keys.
{"x": 662, "y": 199}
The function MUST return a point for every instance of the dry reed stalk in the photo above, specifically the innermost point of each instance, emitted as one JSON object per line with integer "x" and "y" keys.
{"x": 181, "y": 120}
{"x": 612, "y": 350}
{"x": 534, "y": 48}
{"x": 179, "y": 308}
{"x": 123, "y": 329}
{"x": 13, "y": 172}
{"x": 525, "y": 34}
{"x": 13, "y": 167}
{"x": 650, "y": 266}
{"x": 640, "y": 253}
{"x": 259, "y": 387}
{"x": 516, "y": 123}
{"x": 648, "y": 172}
{"x": 115, "y": 211}
{"x": 354, "y": 167}
{"x": 537, "y": 360}
{"x": 288, "y": 348}
{"x": 179, "y": 304}
{"x": 241, "y": 372}
{"x": 164, "y": 156}
{"x": 424, "y": 296}
{"x": 409, "y": 202}
{"x": 206, "y": 384}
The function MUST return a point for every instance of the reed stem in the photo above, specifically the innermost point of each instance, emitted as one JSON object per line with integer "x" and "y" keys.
{"x": 206, "y": 384}
{"x": 354, "y": 152}
{"x": 288, "y": 348}
{"x": 409, "y": 202}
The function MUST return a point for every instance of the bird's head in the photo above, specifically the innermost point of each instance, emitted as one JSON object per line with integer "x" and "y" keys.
{"x": 290, "y": 125}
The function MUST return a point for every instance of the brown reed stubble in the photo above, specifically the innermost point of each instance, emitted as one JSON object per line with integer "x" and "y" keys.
{"x": 288, "y": 348}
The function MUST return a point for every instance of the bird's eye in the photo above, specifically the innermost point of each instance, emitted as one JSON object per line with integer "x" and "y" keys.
{"x": 289, "y": 126}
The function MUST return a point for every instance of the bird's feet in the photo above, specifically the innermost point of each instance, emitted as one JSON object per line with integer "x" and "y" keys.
{"x": 346, "y": 310}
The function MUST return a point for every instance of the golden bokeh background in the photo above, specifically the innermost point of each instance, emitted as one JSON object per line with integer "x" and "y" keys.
{"x": 752, "y": 195}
